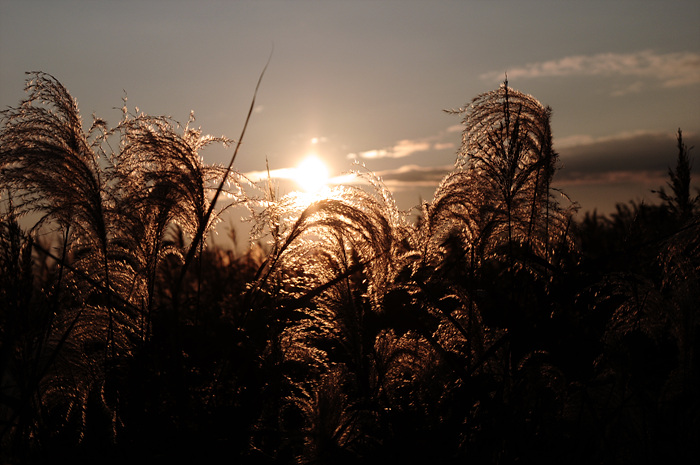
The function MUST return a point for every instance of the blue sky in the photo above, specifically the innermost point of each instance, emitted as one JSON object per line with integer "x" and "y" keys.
{"x": 368, "y": 80}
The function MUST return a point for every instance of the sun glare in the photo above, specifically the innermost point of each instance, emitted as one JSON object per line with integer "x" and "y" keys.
{"x": 311, "y": 174}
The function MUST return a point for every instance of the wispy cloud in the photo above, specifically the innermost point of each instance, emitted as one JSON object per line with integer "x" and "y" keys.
{"x": 444, "y": 145}
{"x": 638, "y": 159}
{"x": 401, "y": 149}
{"x": 414, "y": 175}
{"x": 667, "y": 69}
{"x": 280, "y": 173}
{"x": 407, "y": 147}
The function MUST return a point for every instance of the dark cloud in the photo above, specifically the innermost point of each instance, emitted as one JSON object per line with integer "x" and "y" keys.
{"x": 669, "y": 69}
{"x": 640, "y": 157}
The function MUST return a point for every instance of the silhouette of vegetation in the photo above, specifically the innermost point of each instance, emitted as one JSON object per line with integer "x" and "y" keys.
{"x": 496, "y": 328}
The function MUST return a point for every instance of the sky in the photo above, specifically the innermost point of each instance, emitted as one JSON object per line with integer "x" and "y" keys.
{"x": 367, "y": 81}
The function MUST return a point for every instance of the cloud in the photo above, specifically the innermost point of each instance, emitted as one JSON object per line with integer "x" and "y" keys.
{"x": 407, "y": 147}
{"x": 667, "y": 69}
{"x": 635, "y": 157}
{"x": 582, "y": 140}
{"x": 637, "y": 161}
{"x": 401, "y": 149}
{"x": 633, "y": 88}
{"x": 414, "y": 175}
{"x": 401, "y": 178}
{"x": 370, "y": 154}
{"x": 641, "y": 157}
{"x": 444, "y": 145}
{"x": 280, "y": 173}
{"x": 646, "y": 178}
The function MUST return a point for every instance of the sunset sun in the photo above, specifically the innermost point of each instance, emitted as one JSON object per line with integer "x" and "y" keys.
{"x": 311, "y": 174}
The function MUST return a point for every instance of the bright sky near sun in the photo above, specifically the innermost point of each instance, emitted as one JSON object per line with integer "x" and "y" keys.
{"x": 367, "y": 81}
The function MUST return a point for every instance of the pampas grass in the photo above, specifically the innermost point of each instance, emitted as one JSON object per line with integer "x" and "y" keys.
{"x": 485, "y": 331}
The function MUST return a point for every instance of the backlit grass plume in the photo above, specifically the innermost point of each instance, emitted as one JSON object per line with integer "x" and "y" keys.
{"x": 500, "y": 193}
{"x": 112, "y": 209}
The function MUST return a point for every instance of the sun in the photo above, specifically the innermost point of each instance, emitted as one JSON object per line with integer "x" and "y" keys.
{"x": 311, "y": 174}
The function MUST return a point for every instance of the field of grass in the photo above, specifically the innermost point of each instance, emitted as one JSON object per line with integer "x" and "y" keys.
{"x": 495, "y": 329}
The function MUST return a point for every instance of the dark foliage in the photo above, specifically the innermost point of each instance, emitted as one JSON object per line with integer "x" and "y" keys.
{"x": 496, "y": 329}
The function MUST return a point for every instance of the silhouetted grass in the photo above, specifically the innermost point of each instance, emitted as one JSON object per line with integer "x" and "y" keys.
{"x": 494, "y": 329}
